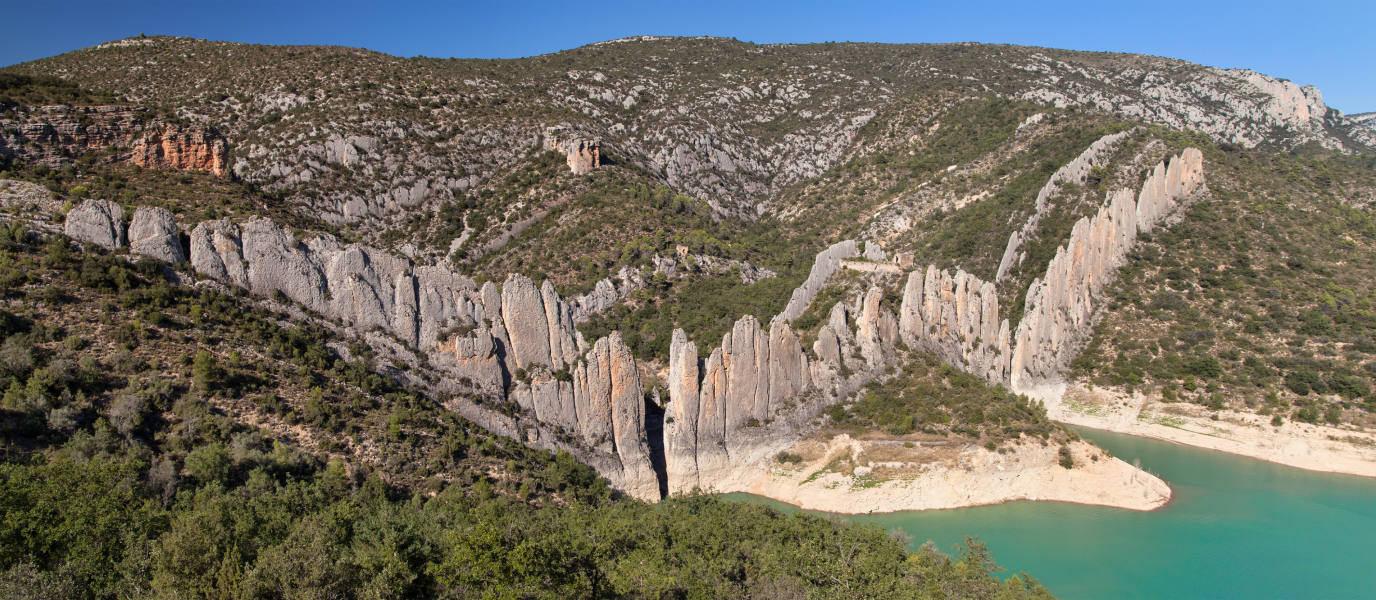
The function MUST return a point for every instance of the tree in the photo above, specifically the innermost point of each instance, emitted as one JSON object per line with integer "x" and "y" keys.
{"x": 204, "y": 372}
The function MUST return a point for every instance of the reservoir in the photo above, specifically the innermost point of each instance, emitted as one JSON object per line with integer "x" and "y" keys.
{"x": 1235, "y": 527}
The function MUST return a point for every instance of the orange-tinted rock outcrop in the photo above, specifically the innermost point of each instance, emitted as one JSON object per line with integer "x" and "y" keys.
{"x": 181, "y": 148}
{"x": 54, "y": 135}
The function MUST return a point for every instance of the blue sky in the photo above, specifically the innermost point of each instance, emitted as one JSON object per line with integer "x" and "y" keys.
{"x": 1329, "y": 45}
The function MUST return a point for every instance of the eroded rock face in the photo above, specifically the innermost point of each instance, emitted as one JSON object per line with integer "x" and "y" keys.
{"x": 523, "y": 311}
{"x": 822, "y": 268}
{"x": 878, "y": 329}
{"x": 153, "y": 232}
{"x": 181, "y": 148}
{"x": 1096, "y": 155}
{"x": 681, "y": 424}
{"x": 743, "y": 386}
{"x": 100, "y": 222}
{"x": 1059, "y": 308}
{"x": 362, "y": 286}
{"x": 477, "y": 359}
{"x": 957, "y": 318}
{"x": 583, "y": 155}
{"x": 628, "y": 421}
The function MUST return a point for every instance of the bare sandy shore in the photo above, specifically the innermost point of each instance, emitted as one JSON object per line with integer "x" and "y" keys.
{"x": 1313, "y": 447}
{"x": 849, "y": 476}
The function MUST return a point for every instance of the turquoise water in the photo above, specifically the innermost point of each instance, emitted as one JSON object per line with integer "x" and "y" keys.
{"x": 1235, "y": 528}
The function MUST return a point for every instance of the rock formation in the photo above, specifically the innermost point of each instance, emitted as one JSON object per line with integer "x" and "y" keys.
{"x": 724, "y": 413}
{"x": 54, "y": 135}
{"x": 681, "y": 421}
{"x": 827, "y": 262}
{"x": 877, "y": 329}
{"x": 582, "y": 155}
{"x": 153, "y": 232}
{"x": 359, "y": 285}
{"x": 1096, "y": 155}
{"x": 100, "y": 222}
{"x": 957, "y": 318}
{"x": 181, "y": 148}
{"x": 721, "y": 409}
{"x": 1057, "y": 315}
{"x": 590, "y": 393}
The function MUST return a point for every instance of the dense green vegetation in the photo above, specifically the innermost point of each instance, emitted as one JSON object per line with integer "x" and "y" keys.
{"x": 1261, "y": 299}
{"x": 327, "y": 538}
{"x": 931, "y": 397}
{"x": 17, "y": 89}
{"x": 705, "y": 307}
{"x": 617, "y": 221}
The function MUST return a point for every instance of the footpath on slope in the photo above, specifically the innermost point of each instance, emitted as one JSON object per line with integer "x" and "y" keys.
{"x": 1311, "y": 447}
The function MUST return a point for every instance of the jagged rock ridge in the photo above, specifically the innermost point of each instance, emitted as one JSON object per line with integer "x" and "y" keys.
{"x": 1096, "y": 155}
{"x": 955, "y": 316}
{"x": 753, "y": 393}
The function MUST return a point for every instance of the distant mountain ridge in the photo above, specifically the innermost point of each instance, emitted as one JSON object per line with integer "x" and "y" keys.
{"x": 728, "y": 122}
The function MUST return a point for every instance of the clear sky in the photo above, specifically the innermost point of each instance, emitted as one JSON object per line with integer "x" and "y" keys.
{"x": 1330, "y": 45}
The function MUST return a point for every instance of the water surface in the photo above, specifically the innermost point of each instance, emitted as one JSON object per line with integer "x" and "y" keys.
{"x": 1235, "y": 528}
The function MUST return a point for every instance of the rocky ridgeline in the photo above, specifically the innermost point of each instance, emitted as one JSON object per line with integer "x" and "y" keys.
{"x": 758, "y": 391}
{"x": 828, "y": 261}
{"x": 151, "y": 232}
{"x": 956, "y": 316}
{"x": 715, "y": 406}
{"x": 732, "y": 137}
{"x": 1057, "y": 316}
{"x": 54, "y": 135}
{"x": 1232, "y": 105}
{"x": 1096, "y": 155}
{"x": 514, "y": 343}
{"x": 753, "y": 395}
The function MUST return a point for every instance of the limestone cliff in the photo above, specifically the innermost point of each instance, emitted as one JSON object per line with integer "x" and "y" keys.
{"x": 583, "y": 155}
{"x": 181, "y": 148}
{"x": 822, "y": 268}
{"x": 153, "y": 232}
{"x": 54, "y": 135}
{"x": 593, "y": 394}
{"x": 1057, "y": 315}
{"x": 100, "y": 222}
{"x": 1096, "y": 155}
{"x": 754, "y": 393}
{"x": 957, "y": 318}
{"x": 721, "y": 408}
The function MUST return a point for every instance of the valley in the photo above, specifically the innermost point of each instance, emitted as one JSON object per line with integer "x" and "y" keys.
{"x": 855, "y": 278}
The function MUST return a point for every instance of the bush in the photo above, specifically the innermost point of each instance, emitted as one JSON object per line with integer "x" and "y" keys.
{"x": 1301, "y": 381}
{"x": 1066, "y": 460}
{"x": 1206, "y": 367}
{"x": 788, "y": 458}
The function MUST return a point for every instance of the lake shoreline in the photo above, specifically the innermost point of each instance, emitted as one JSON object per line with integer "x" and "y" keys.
{"x": 842, "y": 477}
{"x": 1319, "y": 448}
